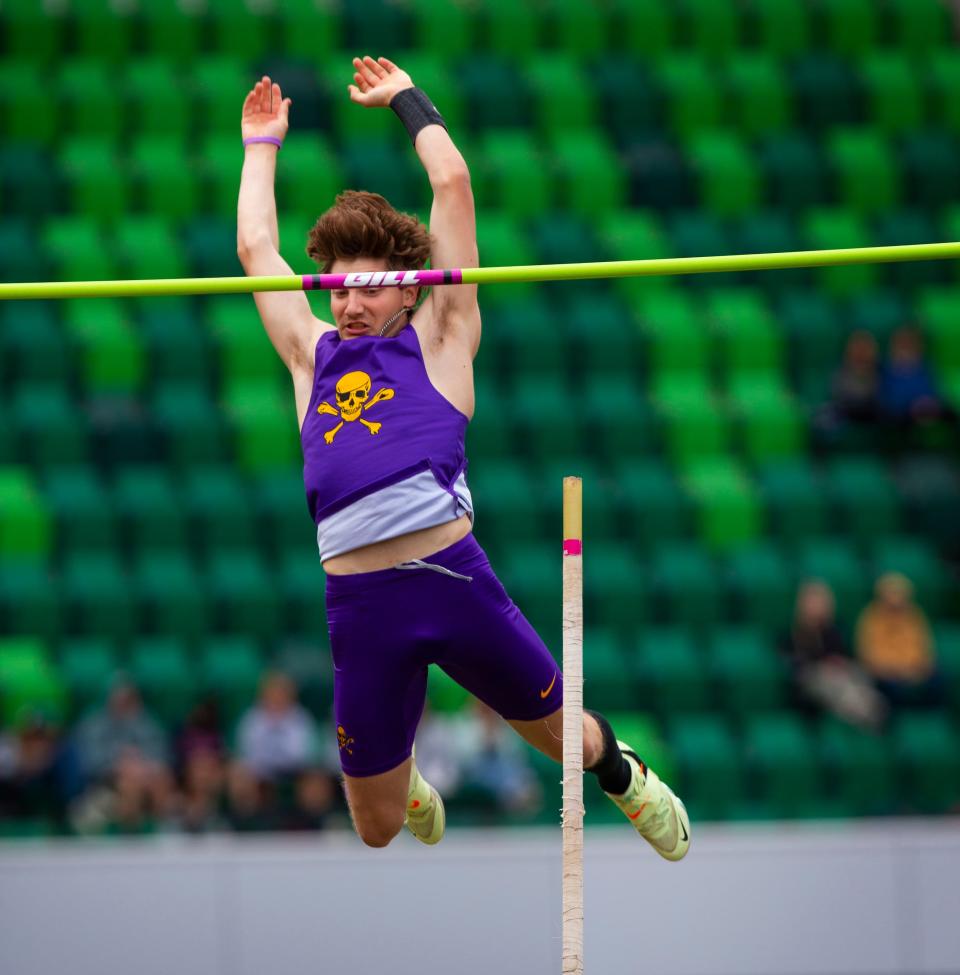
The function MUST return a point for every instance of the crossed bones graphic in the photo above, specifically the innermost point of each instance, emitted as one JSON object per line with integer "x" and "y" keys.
{"x": 353, "y": 397}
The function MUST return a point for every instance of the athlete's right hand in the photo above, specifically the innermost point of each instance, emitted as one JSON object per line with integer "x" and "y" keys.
{"x": 265, "y": 111}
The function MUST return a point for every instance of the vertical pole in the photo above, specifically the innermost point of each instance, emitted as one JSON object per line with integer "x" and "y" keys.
{"x": 572, "y": 726}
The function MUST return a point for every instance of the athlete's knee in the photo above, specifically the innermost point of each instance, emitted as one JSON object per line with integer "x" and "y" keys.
{"x": 378, "y": 829}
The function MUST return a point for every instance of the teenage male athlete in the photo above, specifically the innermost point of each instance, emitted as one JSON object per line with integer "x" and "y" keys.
{"x": 383, "y": 397}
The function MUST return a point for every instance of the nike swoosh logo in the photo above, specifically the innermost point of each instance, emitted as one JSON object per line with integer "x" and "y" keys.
{"x": 543, "y": 694}
{"x": 683, "y": 829}
{"x": 637, "y": 813}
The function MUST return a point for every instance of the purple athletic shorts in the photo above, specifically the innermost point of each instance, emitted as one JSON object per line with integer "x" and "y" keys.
{"x": 387, "y": 626}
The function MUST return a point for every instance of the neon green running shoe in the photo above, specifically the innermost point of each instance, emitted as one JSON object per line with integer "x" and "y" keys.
{"x": 425, "y": 816}
{"x": 656, "y": 813}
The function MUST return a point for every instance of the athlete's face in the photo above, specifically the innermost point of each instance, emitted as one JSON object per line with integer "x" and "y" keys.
{"x": 364, "y": 311}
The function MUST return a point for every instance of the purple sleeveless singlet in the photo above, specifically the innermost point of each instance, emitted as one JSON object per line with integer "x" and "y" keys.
{"x": 449, "y": 609}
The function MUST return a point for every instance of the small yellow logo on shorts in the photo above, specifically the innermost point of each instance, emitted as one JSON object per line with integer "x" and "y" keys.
{"x": 343, "y": 741}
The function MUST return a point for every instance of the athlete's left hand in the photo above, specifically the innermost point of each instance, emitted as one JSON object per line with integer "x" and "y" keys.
{"x": 377, "y": 81}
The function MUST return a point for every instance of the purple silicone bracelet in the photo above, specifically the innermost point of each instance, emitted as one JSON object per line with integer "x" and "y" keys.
{"x": 272, "y": 139}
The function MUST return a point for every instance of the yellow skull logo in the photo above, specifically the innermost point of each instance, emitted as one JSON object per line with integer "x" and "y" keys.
{"x": 343, "y": 741}
{"x": 353, "y": 398}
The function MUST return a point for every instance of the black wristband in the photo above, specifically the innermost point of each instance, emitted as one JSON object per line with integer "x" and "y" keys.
{"x": 415, "y": 110}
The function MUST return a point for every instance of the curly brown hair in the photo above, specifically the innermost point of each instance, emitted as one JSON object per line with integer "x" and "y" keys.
{"x": 361, "y": 224}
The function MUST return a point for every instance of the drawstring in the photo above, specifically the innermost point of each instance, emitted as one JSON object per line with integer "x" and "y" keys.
{"x": 420, "y": 564}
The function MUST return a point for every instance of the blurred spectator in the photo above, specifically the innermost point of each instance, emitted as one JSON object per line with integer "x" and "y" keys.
{"x": 855, "y": 386}
{"x": 895, "y": 644}
{"x": 38, "y": 770}
{"x": 908, "y": 390}
{"x": 124, "y": 758}
{"x": 821, "y": 665}
{"x": 201, "y": 769}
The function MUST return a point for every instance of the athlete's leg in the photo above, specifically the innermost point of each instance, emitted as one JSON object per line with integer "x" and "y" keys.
{"x": 378, "y": 803}
{"x": 546, "y": 735}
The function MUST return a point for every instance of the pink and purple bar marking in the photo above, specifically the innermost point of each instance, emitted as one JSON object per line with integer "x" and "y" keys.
{"x": 381, "y": 279}
{"x": 572, "y": 546}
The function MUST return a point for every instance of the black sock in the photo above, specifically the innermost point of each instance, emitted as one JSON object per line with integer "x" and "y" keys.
{"x": 613, "y": 771}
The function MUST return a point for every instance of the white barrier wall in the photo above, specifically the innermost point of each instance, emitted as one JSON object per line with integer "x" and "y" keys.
{"x": 859, "y": 898}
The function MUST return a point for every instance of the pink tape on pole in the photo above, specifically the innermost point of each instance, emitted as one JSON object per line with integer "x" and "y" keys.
{"x": 381, "y": 279}
{"x": 572, "y": 546}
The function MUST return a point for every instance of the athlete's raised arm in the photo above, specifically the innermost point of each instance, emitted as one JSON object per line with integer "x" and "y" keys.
{"x": 286, "y": 315}
{"x": 453, "y": 309}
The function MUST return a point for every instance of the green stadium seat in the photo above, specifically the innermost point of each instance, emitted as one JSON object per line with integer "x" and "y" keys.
{"x": 211, "y": 247}
{"x": 513, "y": 173}
{"x": 509, "y": 507}
{"x": 102, "y": 30}
{"x": 713, "y": 28}
{"x": 782, "y": 27}
{"x": 239, "y": 30}
{"x": 218, "y": 169}
{"x": 926, "y": 750}
{"x": 111, "y": 355}
{"x": 671, "y": 671}
{"x": 779, "y": 752}
{"x": 895, "y": 98}
{"x": 699, "y": 233}
{"x": 88, "y": 101}
{"x": 532, "y": 576}
{"x": 148, "y": 510}
{"x": 30, "y": 32}
{"x": 159, "y": 668}
{"x": 491, "y": 431}
{"x": 607, "y": 676}
{"x": 308, "y": 180}
{"x": 729, "y": 180}
{"x": 302, "y": 585}
{"x": 863, "y": 497}
{"x": 617, "y": 418}
{"x": 770, "y": 424}
{"x": 859, "y": 769}
{"x": 241, "y": 594}
{"x": 695, "y": 426}
{"x": 792, "y": 492}
{"x": 747, "y": 670}
{"x": 745, "y": 330}
{"x": 909, "y": 226}
{"x": 633, "y": 235}
{"x": 590, "y": 178}
{"x": 146, "y": 246}
{"x": 31, "y": 346}
{"x": 792, "y": 170}
{"x": 766, "y": 231}
{"x": 560, "y": 237}
{"x": 188, "y": 425}
{"x": 97, "y": 596}
{"x": 165, "y": 181}
{"x": 865, "y": 169}
{"x": 940, "y": 311}
{"x": 281, "y": 511}
{"x": 645, "y": 28}
{"x": 836, "y": 563}
{"x": 928, "y": 486}
{"x": 169, "y": 595}
{"x": 26, "y": 525}
{"x": 76, "y": 250}
{"x": 920, "y": 28}
{"x": 814, "y": 337}
{"x": 219, "y": 85}
{"x": 611, "y": 592}
{"x": 229, "y": 668}
{"x": 918, "y": 561}
{"x": 28, "y": 106}
{"x": 684, "y": 586}
{"x": 445, "y": 31}
{"x": 97, "y": 183}
{"x": 824, "y": 90}
{"x": 30, "y": 182}
{"x": 654, "y": 508}
{"x": 87, "y": 668}
{"x": 30, "y": 601}
{"x": 760, "y": 586}
{"x": 48, "y": 427}
{"x": 174, "y": 342}
{"x": 28, "y": 682}
{"x": 219, "y": 510}
{"x": 577, "y": 29}
{"x": 676, "y": 340}
{"x": 726, "y": 502}
{"x": 380, "y": 166}
{"x": 265, "y": 434}
{"x": 159, "y": 100}
{"x": 607, "y": 345}
{"x": 172, "y": 33}
{"x": 527, "y": 345}
{"x": 851, "y": 26}
{"x": 546, "y": 426}
{"x": 562, "y": 96}
{"x": 659, "y": 173}
{"x": 20, "y": 256}
{"x": 510, "y": 29}
{"x": 711, "y": 775}
{"x": 376, "y": 25}
{"x": 826, "y": 228}
{"x": 694, "y": 97}
{"x": 878, "y": 310}
{"x": 81, "y": 509}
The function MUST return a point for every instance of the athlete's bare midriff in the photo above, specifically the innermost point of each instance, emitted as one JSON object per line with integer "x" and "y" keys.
{"x": 388, "y": 553}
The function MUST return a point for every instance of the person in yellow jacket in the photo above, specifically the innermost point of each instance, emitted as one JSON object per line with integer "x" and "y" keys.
{"x": 895, "y": 644}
